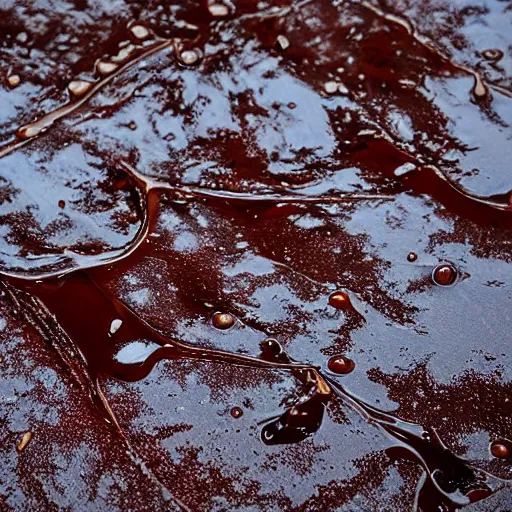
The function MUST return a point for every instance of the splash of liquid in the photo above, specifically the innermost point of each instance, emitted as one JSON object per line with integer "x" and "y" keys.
{"x": 455, "y": 482}
{"x": 132, "y": 349}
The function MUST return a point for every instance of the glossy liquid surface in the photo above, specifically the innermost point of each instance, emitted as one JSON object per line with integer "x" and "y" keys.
{"x": 205, "y": 205}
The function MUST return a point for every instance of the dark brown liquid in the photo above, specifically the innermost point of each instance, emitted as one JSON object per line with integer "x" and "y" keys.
{"x": 237, "y": 164}
{"x": 134, "y": 348}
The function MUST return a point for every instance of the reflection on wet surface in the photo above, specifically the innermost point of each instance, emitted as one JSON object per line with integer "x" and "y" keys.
{"x": 265, "y": 246}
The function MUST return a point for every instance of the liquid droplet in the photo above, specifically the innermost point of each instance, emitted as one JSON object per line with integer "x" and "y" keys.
{"x": 343, "y": 89}
{"x": 28, "y": 131}
{"x": 223, "y": 320}
{"x": 105, "y": 68}
{"x": 271, "y": 349}
{"x": 236, "y": 412}
{"x": 340, "y": 300}
{"x": 412, "y": 256}
{"x": 62, "y": 204}
{"x": 298, "y": 423}
{"x": 190, "y": 57}
{"x": 341, "y": 365}
{"x": 479, "y": 89}
{"x": 79, "y": 87}
{"x": 492, "y": 54}
{"x": 139, "y": 31}
{"x": 14, "y": 80}
{"x": 22, "y": 37}
{"x": 444, "y": 275}
{"x": 218, "y": 10}
{"x": 501, "y": 449}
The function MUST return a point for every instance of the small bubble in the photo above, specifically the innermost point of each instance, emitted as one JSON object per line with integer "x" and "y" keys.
{"x": 271, "y": 347}
{"x": 236, "y": 412}
{"x": 14, "y": 80}
{"x": 132, "y": 125}
{"x": 268, "y": 433}
{"x": 444, "y": 275}
{"x": 330, "y": 87}
{"x": 28, "y": 131}
{"x": 412, "y": 256}
{"x": 79, "y": 87}
{"x": 479, "y": 89}
{"x": 501, "y": 449}
{"x": 105, "y": 68}
{"x": 292, "y": 105}
{"x": 340, "y": 300}
{"x": 341, "y": 365}
{"x": 492, "y": 54}
{"x": 139, "y": 31}
{"x": 218, "y": 10}
{"x": 190, "y": 57}
{"x": 25, "y": 439}
{"x": 223, "y": 320}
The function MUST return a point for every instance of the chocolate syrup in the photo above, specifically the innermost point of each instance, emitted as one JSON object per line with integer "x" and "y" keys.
{"x": 341, "y": 365}
{"x": 219, "y": 196}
